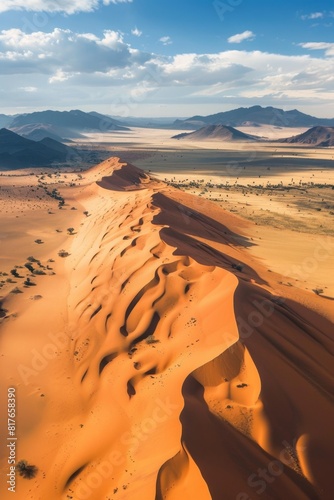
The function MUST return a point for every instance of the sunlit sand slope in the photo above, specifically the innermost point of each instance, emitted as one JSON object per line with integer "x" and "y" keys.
{"x": 182, "y": 370}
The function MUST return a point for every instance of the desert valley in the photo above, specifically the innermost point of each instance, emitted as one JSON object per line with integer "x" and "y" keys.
{"x": 167, "y": 310}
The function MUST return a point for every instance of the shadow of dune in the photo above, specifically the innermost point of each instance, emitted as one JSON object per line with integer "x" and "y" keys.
{"x": 228, "y": 460}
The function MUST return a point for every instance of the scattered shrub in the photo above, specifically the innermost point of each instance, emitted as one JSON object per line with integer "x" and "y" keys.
{"x": 28, "y": 282}
{"x": 32, "y": 259}
{"x": 3, "y": 312}
{"x": 238, "y": 267}
{"x": 63, "y": 253}
{"x": 25, "y": 470}
{"x": 151, "y": 340}
{"x": 29, "y": 267}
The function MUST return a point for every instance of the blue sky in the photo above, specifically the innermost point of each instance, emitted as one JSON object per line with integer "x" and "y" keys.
{"x": 166, "y": 57}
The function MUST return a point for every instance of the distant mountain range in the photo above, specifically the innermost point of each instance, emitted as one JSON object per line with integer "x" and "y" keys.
{"x": 39, "y": 131}
{"x": 59, "y": 125}
{"x": 19, "y": 152}
{"x": 315, "y": 136}
{"x": 5, "y": 120}
{"x": 217, "y": 132}
{"x": 256, "y": 115}
{"x": 64, "y": 124}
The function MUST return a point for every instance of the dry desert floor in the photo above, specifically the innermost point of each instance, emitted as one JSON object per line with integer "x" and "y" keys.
{"x": 167, "y": 322}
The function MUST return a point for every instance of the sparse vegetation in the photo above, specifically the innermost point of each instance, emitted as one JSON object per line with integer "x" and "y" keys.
{"x": 63, "y": 253}
{"x": 36, "y": 297}
{"x": 32, "y": 259}
{"x": 39, "y": 272}
{"x": 151, "y": 340}
{"x": 25, "y": 470}
{"x": 238, "y": 267}
{"x": 3, "y": 312}
{"x": 28, "y": 282}
{"x": 29, "y": 266}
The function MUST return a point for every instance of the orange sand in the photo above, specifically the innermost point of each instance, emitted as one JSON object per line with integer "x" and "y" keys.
{"x": 163, "y": 361}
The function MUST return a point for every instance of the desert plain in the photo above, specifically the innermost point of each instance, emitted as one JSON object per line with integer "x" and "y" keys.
{"x": 167, "y": 320}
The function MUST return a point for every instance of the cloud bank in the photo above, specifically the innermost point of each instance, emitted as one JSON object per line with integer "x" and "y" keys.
{"x": 75, "y": 67}
{"x": 65, "y": 6}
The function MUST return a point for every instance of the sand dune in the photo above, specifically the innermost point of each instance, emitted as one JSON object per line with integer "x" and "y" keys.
{"x": 181, "y": 368}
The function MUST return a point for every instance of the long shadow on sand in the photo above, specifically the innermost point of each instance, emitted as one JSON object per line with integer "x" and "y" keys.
{"x": 228, "y": 460}
{"x": 186, "y": 225}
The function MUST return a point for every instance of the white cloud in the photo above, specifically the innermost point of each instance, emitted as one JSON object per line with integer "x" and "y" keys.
{"x": 199, "y": 69}
{"x": 29, "y": 89}
{"x": 73, "y": 69}
{"x": 66, "y": 6}
{"x": 66, "y": 51}
{"x": 59, "y": 76}
{"x": 166, "y": 40}
{"x": 326, "y": 46}
{"x": 136, "y": 32}
{"x": 313, "y": 15}
{"x": 107, "y": 2}
{"x": 240, "y": 37}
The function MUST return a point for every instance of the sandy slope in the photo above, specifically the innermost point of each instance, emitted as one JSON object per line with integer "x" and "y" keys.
{"x": 165, "y": 362}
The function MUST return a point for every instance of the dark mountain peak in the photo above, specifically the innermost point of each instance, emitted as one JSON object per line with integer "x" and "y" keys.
{"x": 19, "y": 152}
{"x": 4, "y": 132}
{"x": 74, "y": 120}
{"x": 257, "y": 115}
{"x": 319, "y": 136}
{"x": 217, "y": 132}
{"x": 11, "y": 141}
{"x": 48, "y": 141}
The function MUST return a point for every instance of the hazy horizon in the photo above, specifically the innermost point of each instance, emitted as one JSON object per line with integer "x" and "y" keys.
{"x": 153, "y": 117}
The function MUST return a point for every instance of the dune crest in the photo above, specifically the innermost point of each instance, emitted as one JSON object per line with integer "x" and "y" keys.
{"x": 186, "y": 377}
